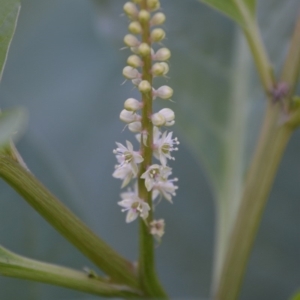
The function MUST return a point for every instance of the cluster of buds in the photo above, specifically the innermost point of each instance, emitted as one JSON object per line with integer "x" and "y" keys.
{"x": 147, "y": 61}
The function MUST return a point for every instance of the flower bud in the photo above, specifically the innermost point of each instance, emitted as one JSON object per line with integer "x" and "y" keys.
{"x": 166, "y": 66}
{"x": 132, "y": 104}
{"x": 162, "y": 54}
{"x": 157, "y": 35}
{"x": 165, "y": 117}
{"x": 164, "y": 92}
{"x": 153, "y": 4}
{"x": 131, "y": 41}
{"x": 158, "y": 19}
{"x": 158, "y": 120}
{"x": 135, "y": 127}
{"x": 158, "y": 69}
{"x": 129, "y": 116}
{"x": 135, "y": 27}
{"x": 144, "y": 16}
{"x": 130, "y": 73}
{"x": 144, "y": 49}
{"x": 130, "y": 10}
{"x": 168, "y": 115}
{"x": 134, "y": 61}
{"x": 145, "y": 86}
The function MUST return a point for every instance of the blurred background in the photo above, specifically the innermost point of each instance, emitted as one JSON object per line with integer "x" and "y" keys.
{"x": 65, "y": 67}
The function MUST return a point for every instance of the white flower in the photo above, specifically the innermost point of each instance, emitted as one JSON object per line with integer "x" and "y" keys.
{"x": 157, "y": 228}
{"x": 134, "y": 206}
{"x": 165, "y": 188}
{"x": 156, "y": 179}
{"x": 124, "y": 172}
{"x": 127, "y": 156}
{"x": 163, "y": 145}
{"x": 154, "y": 174}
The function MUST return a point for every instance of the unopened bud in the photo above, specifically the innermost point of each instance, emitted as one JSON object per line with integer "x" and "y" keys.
{"x": 129, "y": 116}
{"x": 157, "y": 35}
{"x": 158, "y": 120}
{"x": 135, "y": 27}
{"x": 162, "y": 54}
{"x": 135, "y": 127}
{"x": 131, "y": 41}
{"x": 153, "y": 4}
{"x": 158, "y": 19}
{"x": 158, "y": 69}
{"x": 144, "y": 49}
{"x": 130, "y": 10}
{"x": 145, "y": 86}
{"x": 132, "y": 104}
{"x": 164, "y": 92}
{"x": 166, "y": 66}
{"x": 168, "y": 115}
{"x": 144, "y": 16}
{"x": 130, "y": 73}
{"x": 134, "y": 61}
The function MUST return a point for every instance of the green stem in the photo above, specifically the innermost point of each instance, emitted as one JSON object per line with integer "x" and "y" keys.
{"x": 147, "y": 273}
{"x": 270, "y": 148}
{"x": 253, "y": 36}
{"x": 13, "y": 265}
{"x": 291, "y": 67}
{"x": 272, "y": 143}
{"x": 65, "y": 222}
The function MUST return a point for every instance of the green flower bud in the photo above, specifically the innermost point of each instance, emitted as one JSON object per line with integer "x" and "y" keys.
{"x": 144, "y": 49}
{"x": 158, "y": 19}
{"x": 131, "y": 41}
{"x": 145, "y": 86}
{"x": 162, "y": 54}
{"x": 135, "y": 27}
{"x": 157, "y": 35}
{"x": 130, "y": 10}
{"x": 144, "y": 16}
{"x": 158, "y": 69}
{"x": 134, "y": 61}
{"x": 153, "y": 5}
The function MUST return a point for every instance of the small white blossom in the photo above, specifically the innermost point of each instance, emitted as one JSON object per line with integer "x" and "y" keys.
{"x": 156, "y": 179}
{"x": 165, "y": 188}
{"x": 163, "y": 145}
{"x": 154, "y": 174}
{"x": 134, "y": 206}
{"x": 157, "y": 228}
{"x": 123, "y": 172}
{"x": 126, "y": 155}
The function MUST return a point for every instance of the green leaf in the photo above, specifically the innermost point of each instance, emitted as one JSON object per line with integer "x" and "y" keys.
{"x": 11, "y": 124}
{"x": 9, "y": 11}
{"x": 296, "y": 296}
{"x": 238, "y": 10}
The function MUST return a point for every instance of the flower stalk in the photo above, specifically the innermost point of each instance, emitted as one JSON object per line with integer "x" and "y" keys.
{"x": 151, "y": 179}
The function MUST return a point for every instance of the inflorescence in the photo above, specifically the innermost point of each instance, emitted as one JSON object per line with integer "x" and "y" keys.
{"x": 152, "y": 180}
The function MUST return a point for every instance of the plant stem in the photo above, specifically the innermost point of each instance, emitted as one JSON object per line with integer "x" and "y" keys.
{"x": 147, "y": 273}
{"x": 270, "y": 148}
{"x": 65, "y": 222}
{"x": 13, "y": 265}
{"x": 272, "y": 143}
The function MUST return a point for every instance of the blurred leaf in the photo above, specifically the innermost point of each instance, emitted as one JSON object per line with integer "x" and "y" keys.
{"x": 11, "y": 124}
{"x": 296, "y": 296}
{"x": 9, "y": 11}
{"x": 235, "y": 9}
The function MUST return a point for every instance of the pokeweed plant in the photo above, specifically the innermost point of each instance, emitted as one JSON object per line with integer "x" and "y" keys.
{"x": 147, "y": 170}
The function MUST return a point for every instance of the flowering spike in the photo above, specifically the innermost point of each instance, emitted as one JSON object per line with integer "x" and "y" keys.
{"x": 151, "y": 180}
